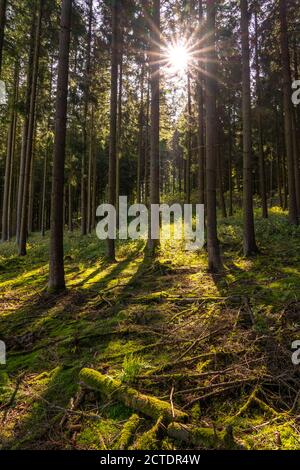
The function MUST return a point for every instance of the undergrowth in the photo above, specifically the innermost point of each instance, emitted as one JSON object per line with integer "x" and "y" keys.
{"x": 221, "y": 344}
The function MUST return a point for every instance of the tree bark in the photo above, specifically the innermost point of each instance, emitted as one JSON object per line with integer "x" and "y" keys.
{"x": 189, "y": 141}
{"x": 262, "y": 175}
{"x": 90, "y": 173}
{"x": 9, "y": 157}
{"x": 44, "y": 195}
{"x": 56, "y": 276}
{"x": 201, "y": 143}
{"x": 111, "y": 253}
{"x": 85, "y": 153}
{"x": 287, "y": 106}
{"x": 214, "y": 258}
{"x": 140, "y": 141}
{"x": 3, "y": 5}
{"x": 153, "y": 243}
{"x": 119, "y": 119}
{"x": 25, "y": 128}
{"x": 250, "y": 247}
{"x": 29, "y": 140}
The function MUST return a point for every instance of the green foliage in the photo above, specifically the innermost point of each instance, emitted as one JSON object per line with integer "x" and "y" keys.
{"x": 112, "y": 317}
{"x": 133, "y": 365}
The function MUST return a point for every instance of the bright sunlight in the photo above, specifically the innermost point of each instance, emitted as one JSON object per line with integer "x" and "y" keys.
{"x": 177, "y": 58}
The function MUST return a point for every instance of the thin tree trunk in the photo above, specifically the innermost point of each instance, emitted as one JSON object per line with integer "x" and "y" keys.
{"x": 56, "y": 275}
{"x": 70, "y": 208}
{"x": 119, "y": 119}
{"x": 230, "y": 182}
{"x": 250, "y": 247}
{"x": 25, "y": 128}
{"x": 94, "y": 192}
{"x": 146, "y": 155}
{"x": 189, "y": 141}
{"x": 85, "y": 152}
{"x": 153, "y": 243}
{"x": 220, "y": 176}
{"x": 29, "y": 142}
{"x": 11, "y": 183}
{"x": 90, "y": 173}
{"x": 287, "y": 105}
{"x": 9, "y": 157}
{"x": 262, "y": 176}
{"x": 201, "y": 152}
{"x": 30, "y": 199}
{"x": 111, "y": 254}
{"x": 44, "y": 195}
{"x": 140, "y": 141}
{"x": 3, "y": 4}
{"x": 214, "y": 258}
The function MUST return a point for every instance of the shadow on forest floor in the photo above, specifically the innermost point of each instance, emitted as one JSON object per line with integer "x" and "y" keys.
{"x": 170, "y": 321}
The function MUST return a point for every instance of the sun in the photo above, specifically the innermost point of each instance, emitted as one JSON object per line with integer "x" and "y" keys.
{"x": 177, "y": 56}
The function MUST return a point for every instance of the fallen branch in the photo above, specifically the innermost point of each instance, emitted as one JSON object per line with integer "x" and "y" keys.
{"x": 205, "y": 438}
{"x": 148, "y": 405}
{"x": 128, "y": 431}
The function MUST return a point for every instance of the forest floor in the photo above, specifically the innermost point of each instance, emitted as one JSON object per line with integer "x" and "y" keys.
{"x": 220, "y": 346}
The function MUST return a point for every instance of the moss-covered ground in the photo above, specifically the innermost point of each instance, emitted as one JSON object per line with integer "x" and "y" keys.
{"x": 219, "y": 345}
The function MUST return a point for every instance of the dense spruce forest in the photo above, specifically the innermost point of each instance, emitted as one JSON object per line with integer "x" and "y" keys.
{"x": 144, "y": 344}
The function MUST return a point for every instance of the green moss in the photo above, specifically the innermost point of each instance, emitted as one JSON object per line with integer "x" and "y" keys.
{"x": 146, "y": 404}
{"x": 128, "y": 432}
{"x": 149, "y": 440}
{"x": 142, "y": 296}
{"x": 97, "y": 436}
{"x": 205, "y": 438}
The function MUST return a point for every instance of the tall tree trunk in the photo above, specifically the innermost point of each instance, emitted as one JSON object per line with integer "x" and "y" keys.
{"x": 56, "y": 275}
{"x": 94, "y": 192}
{"x": 10, "y": 189}
{"x": 30, "y": 199}
{"x": 287, "y": 105}
{"x": 25, "y": 128}
{"x": 146, "y": 149}
{"x": 43, "y": 229}
{"x": 90, "y": 173}
{"x": 262, "y": 175}
{"x": 230, "y": 180}
{"x": 3, "y": 4}
{"x": 70, "y": 208}
{"x": 189, "y": 141}
{"x": 9, "y": 157}
{"x": 214, "y": 258}
{"x": 29, "y": 141}
{"x": 250, "y": 247}
{"x": 153, "y": 243}
{"x": 220, "y": 173}
{"x": 141, "y": 141}
{"x": 111, "y": 254}
{"x": 201, "y": 152}
{"x": 119, "y": 118}
{"x": 85, "y": 152}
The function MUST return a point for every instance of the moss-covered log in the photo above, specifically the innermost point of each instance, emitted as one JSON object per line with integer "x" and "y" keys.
{"x": 204, "y": 438}
{"x": 128, "y": 432}
{"x": 149, "y": 440}
{"x": 146, "y": 404}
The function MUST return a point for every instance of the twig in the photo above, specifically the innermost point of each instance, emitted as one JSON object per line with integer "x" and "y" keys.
{"x": 171, "y": 401}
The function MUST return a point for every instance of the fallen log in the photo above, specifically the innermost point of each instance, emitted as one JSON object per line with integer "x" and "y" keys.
{"x": 204, "y": 438}
{"x": 128, "y": 432}
{"x": 146, "y": 404}
{"x": 149, "y": 440}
